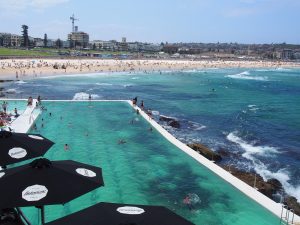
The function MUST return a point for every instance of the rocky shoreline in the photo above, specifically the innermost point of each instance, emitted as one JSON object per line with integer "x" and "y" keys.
{"x": 270, "y": 187}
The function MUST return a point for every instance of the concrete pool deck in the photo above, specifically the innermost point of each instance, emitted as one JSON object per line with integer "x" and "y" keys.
{"x": 26, "y": 121}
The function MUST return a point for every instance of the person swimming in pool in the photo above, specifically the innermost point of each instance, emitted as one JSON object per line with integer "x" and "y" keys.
{"x": 66, "y": 147}
{"x": 187, "y": 202}
{"x": 121, "y": 141}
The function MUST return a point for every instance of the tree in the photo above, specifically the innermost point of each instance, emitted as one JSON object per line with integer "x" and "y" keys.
{"x": 58, "y": 43}
{"x": 45, "y": 40}
{"x": 25, "y": 42}
{"x": 94, "y": 46}
{"x": 1, "y": 41}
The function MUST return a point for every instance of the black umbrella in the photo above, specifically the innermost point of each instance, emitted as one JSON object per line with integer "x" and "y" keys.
{"x": 17, "y": 147}
{"x": 122, "y": 214}
{"x": 43, "y": 182}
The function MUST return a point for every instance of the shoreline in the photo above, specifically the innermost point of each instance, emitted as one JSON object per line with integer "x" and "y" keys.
{"x": 21, "y": 69}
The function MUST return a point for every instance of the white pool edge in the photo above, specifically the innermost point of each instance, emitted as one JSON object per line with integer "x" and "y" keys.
{"x": 24, "y": 122}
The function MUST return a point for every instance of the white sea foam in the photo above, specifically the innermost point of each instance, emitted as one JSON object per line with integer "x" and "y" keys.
{"x": 127, "y": 85}
{"x": 155, "y": 113}
{"x": 20, "y": 82}
{"x": 196, "y": 126}
{"x": 103, "y": 84}
{"x": 71, "y": 75}
{"x": 273, "y": 69}
{"x": 282, "y": 69}
{"x": 251, "y": 151}
{"x": 12, "y": 91}
{"x": 282, "y": 175}
{"x": 246, "y": 76}
{"x": 253, "y": 108}
{"x": 84, "y": 96}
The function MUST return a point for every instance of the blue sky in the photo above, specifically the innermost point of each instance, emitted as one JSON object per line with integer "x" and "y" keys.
{"x": 242, "y": 21}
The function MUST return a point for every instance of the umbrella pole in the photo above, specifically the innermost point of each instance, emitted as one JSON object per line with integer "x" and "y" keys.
{"x": 43, "y": 215}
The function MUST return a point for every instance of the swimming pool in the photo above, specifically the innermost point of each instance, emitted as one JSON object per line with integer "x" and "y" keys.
{"x": 147, "y": 169}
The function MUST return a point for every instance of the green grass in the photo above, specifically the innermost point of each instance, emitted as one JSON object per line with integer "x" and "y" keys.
{"x": 20, "y": 52}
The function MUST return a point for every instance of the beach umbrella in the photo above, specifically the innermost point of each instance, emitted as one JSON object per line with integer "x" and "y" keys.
{"x": 17, "y": 147}
{"x": 122, "y": 214}
{"x": 44, "y": 182}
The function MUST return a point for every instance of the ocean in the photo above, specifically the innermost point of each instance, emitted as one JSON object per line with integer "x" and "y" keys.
{"x": 251, "y": 114}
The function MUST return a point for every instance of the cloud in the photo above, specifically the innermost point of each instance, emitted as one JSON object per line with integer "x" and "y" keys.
{"x": 14, "y": 7}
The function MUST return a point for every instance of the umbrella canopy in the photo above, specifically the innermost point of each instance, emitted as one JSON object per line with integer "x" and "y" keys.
{"x": 122, "y": 214}
{"x": 43, "y": 182}
{"x": 17, "y": 147}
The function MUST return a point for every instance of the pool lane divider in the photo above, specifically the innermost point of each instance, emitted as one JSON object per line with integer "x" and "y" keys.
{"x": 274, "y": 207}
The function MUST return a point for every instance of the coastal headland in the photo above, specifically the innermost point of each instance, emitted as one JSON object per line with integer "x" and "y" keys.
{"x": 31, "y": 68}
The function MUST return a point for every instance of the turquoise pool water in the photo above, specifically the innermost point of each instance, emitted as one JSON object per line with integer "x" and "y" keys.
{"x": 147, "y": 169}
{"x": 12, "y": 104}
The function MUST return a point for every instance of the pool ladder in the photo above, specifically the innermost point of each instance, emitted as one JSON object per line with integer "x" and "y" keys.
{"x": 286, "y": 218}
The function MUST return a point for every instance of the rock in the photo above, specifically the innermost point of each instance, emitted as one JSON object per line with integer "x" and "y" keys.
{"x": 292, "y": 203}
{"x": 2, "y": 81}
{"x": 268, "y": 188}
{"x": 275, "y": 184}
{"x": 205, "y": 151}
{"x": 225, "y": 153}
{"x": 174, "y": 123}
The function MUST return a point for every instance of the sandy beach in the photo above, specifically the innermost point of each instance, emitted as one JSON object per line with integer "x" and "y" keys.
{"x": 30, "y": 68}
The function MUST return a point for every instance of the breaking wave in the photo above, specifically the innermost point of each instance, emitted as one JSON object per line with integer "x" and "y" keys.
{"x": 246, "y": 76}
{"x": 84, "y": 96}
{"x": 251, "y": 151}
{"x": 12, "y": 91}
{"x": 103, "y": 84}
{"x": 20, "y": 82}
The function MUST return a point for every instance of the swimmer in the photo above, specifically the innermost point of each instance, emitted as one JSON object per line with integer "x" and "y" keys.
{"x": 187, "y": 202}
{"x": 121, "y": 141}
{"x": 66, "y": 147}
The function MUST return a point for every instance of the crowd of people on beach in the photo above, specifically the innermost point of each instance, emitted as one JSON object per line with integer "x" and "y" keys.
{"x": 23, "y": 68}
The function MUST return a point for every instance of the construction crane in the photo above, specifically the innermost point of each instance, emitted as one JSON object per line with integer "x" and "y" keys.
{"x": 73, "y": 19}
